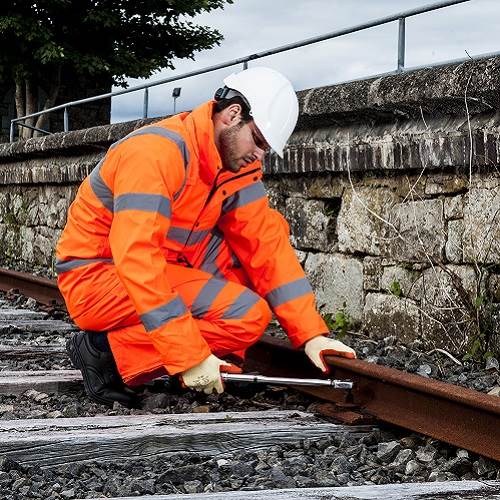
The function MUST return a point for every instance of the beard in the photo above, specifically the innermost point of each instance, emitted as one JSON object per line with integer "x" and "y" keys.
{"x": 229, "y": 149}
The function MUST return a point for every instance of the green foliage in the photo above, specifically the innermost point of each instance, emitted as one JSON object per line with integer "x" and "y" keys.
{"x": 105, "y": 40}
{"x": 10, "y": 219}
{"x": 338, "y": 323}
{"x": 395, "y": 288}
{"x": 329, "y": 319}
{"x": 478, "y": 302}
{"x": 478, "y": 347}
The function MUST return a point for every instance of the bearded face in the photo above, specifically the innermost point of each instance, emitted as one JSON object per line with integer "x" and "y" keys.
{"x": 241, "y": 144}
{"x": 229, "y": 146}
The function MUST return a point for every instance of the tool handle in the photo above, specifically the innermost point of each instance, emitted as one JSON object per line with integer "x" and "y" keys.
{"x": 262, "y": 379}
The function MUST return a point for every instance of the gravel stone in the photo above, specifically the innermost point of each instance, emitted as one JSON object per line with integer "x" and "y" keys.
{"x": 30, "y": 303}
{"x": 413, "y": 467}
{"x": 485, "y": 467}
{"x": 442, "y": 476}
{"x": 492, "y": 364}
{"x": 193, "y": 486}
{"x": 458, "y": 466}
{"x": 427, "y": 454}
{"x": 325, "y": 479}
{"x": 8, "y": 465}
{"x": 388, "y": 451}
{"x": 402, "y": 458}
{"x": 410, "y": 441}
{"x": 424, "y": 370}
{"x": 54, "y": 414}
{"x": 495, "y": 391}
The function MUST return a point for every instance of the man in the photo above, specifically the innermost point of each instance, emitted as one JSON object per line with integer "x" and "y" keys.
{"x": 172, "y": 259}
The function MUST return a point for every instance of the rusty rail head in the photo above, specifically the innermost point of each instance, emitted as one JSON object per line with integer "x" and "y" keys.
{"x": 41, "y": 289}
{"x": 459, "y": 416}
{"x": 436, "y": 388}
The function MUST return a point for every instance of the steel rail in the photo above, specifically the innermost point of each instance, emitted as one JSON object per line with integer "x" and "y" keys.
{"x": 453, "y": 414}
{"x": 41, "y": 289}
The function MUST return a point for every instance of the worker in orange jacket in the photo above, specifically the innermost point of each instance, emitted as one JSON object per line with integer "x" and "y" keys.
{"x": 172, "y": 260}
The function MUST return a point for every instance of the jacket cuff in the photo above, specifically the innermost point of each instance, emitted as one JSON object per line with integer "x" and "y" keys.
{"x": 298, "y": 340}
{"x": 180, "y": 344}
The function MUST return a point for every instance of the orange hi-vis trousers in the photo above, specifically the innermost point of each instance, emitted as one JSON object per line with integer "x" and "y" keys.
{"x": 231, "y": 317}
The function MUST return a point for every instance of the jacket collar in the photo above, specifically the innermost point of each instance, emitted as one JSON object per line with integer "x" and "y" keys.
{"x": 200, "y": 127}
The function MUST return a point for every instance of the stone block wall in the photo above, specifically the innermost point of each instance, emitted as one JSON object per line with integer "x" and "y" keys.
{"x": 390, "y": 187}
{"x": 39, "y": 178}
{"x": 32, "y": 219}
{"x": 411, "y": 262}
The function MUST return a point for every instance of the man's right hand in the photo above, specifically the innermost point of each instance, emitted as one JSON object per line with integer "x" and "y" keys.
{"x": 205, "y": 376}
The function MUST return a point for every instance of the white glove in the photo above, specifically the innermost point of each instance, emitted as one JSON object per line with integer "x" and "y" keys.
{"x": 319, "y": 347}
{"x": 205, "y": 376}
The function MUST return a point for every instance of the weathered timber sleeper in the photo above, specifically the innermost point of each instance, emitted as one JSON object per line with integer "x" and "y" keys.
{"x": 49, "y": 442}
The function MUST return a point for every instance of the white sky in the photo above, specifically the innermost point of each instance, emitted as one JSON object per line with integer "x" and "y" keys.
{"x": 251, "y": 26}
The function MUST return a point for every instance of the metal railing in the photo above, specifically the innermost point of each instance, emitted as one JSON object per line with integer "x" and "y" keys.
{"x": 400, "y": 17}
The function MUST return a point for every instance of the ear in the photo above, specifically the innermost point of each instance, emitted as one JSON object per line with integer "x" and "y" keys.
{"x": 231, "y": 115}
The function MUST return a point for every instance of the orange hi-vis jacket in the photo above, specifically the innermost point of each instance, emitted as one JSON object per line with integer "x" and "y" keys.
{"x": 160, "y": 196}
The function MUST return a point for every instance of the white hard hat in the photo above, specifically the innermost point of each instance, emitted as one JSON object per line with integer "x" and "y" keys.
{"x": 273, "y": 103}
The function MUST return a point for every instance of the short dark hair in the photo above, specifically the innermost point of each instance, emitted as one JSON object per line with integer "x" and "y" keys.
{"x": 225, "y": 103}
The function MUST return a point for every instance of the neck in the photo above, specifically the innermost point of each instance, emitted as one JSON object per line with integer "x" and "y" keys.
{"x": 217, "y": 129}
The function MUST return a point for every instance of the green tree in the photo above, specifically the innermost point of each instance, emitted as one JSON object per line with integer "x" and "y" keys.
{"x": 96, "y": 40}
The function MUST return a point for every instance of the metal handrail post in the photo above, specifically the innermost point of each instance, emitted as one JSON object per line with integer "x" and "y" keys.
{"x": 66, "y": 119}
{"x": 11, "y": 134}
{"x": 146, "y": 103}
{"x": 401, "y": 43}
{"x": 245, "y": 65}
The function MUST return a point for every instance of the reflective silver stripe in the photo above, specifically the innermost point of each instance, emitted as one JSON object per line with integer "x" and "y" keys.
{"x": 213, "y": 269}
{"x": 162, "y": 132}
{"x": 244, "y": 196}
{"x": 181, "y": 235}
{"x": 105, "y": 195}
{"x": 102, "y": 192}
{"x": 287, "y": 292}
{"x": 145, "y": 202}
{"x": 241, "y": 305}
{"x": 207, "y": 295}
{"x": 163, "y": 314}
{"x": 212, "y": 251}
{"x": 167, "y": 134}
{"x": 63, "y": 266}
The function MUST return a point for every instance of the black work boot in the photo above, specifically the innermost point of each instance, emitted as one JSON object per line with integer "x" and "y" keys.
{"x": 101, "y": 379}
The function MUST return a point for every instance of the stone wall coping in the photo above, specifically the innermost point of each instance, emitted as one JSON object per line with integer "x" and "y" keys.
{"x": 433, "y": 92}
{"x": 74, "y": 142}
{"x": 437, "y": 91}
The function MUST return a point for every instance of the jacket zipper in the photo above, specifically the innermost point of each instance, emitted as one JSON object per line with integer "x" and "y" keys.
{"x": 181, "y": 258}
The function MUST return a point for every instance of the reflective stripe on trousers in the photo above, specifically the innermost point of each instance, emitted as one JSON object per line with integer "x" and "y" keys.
{"x": 230, "y": 317}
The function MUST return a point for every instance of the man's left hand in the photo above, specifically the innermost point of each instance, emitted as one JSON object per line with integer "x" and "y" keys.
{"x": 319, "y": 347}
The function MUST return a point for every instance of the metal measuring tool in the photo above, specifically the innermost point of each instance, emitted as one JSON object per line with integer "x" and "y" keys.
{"x": 262, "y": 379}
